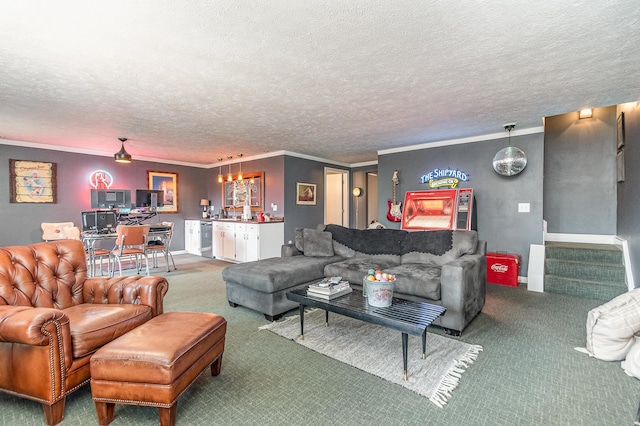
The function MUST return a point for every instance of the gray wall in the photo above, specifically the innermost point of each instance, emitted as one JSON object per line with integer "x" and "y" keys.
{"x": 497, "y": 197}
{"x": 629, "y": 190}
{"x": 580, "y": 173}
{"x": 20, "y": 222}
{"x": 303, "y": 216}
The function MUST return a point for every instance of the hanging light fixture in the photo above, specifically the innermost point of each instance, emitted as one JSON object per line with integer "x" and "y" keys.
{"x": 122, "y": 156}
{"x": 220, "y": 178}
{"x": 240, "y": 173}
{"x": 229, "y": 175}
{"x": 509, "y": 161}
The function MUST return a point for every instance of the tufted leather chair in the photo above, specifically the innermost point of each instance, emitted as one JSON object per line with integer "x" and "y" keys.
{"x": 53, "y": 318}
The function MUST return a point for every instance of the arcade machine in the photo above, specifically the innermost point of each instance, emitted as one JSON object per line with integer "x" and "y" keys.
{"x": 439, "y": 209}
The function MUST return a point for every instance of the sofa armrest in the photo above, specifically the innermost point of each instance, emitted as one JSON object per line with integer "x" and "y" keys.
{"x": 288, "y": 250}
{"x": 37, "y": 327}
{"x": 463, "y": 287}
{"x": 137, "y": 289}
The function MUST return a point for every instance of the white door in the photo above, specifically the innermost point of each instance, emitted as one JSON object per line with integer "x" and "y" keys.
{"x": 336, "y": 202}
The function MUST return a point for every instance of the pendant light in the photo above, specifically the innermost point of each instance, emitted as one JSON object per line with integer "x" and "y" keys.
{"x": 229, "y": 175}
{"x": 240, "y": 173}
{"x": 122, "y": 156}
{"x": 509, "y": 161}
{"x": 220, "y": 178}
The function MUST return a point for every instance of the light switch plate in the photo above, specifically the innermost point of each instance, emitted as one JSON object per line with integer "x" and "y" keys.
{"x": 524, "y": 207}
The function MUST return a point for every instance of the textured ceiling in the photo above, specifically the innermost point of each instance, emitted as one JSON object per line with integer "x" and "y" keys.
{"x": 191, "y": 81}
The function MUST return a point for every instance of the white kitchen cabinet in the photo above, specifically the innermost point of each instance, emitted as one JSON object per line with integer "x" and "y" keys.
{"x": 218, "y": 240}
{"x": 229, "y": 241}
{"x": 247, "y": 241}
{"x": 192, "y": 237}
{"x": 241, "y": 242}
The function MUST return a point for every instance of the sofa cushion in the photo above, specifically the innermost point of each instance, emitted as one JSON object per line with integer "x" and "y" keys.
{"x": 438, "y": 248}
{"x": 342, "y": 250}
{"x": 417, "y": 279}
{"x": 611, "y": 327}
{"x": 317, "y": 243}
{"x": 94, "y": 325}
{"x": 356, "y": 268}
{"x": 277, "y": 273}
{"x": 299, "y": 239}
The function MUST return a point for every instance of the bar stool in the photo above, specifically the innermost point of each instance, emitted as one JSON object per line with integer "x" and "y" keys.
{"x": 162, "y": 245}
{"x": 131, "y": 240}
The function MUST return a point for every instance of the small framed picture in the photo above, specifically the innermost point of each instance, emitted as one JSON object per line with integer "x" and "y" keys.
{"x": 621, "y": 130}
{"x": 168, "y": 182}
{"x": 32, "y": 182}
{"x": 306, "y": 193}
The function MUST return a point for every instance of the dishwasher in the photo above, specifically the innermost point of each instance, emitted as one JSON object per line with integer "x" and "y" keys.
{"x": 206, "y": 238}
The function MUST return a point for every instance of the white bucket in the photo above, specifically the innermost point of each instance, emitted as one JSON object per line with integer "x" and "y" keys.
{"x": 379, "y": 294}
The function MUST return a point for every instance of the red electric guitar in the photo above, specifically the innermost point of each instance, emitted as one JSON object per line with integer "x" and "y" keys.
{"x": 395, "y": 209}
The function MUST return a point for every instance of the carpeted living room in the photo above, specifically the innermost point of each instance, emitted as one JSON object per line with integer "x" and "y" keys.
{"x": 527, "y": 372}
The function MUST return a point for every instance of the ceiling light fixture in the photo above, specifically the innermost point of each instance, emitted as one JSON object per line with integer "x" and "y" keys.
{"x": 240, "y": 173}
{"x": 229, "y": 175}
{"x": 586, "y": 113}
{"x": 122, "y": 156}
{"x": 509, "y": 161}
{"x": 220, "y": 178}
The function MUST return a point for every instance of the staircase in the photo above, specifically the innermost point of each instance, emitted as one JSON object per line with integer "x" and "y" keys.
{"x": 594, "y": 271}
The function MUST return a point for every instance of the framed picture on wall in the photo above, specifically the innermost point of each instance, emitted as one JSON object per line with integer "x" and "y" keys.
{"x": 235, "y": 193}
{"x": 168, "y": 182}
{"x": 620, "y": 165}
{"x": 305, "y": 193}
{"x": 32, "y": 182}
{"x": 621, "y": 130}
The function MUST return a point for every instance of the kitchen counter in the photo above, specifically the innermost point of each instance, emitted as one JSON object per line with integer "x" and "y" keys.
{"x": 280, "y": 220}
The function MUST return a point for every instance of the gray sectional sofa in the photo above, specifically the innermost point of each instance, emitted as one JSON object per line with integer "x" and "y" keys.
{"x": 446, "y": 268}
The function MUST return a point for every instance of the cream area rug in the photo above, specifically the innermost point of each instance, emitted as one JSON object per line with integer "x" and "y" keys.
{"x": 378, "y": 351}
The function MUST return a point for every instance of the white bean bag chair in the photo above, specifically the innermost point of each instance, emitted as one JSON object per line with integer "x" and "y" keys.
{"x": 611, "y": 327}
{"x": 631, "y": 364}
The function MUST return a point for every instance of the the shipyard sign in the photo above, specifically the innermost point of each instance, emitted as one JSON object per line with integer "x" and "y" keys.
{"x": 444, "y": 178}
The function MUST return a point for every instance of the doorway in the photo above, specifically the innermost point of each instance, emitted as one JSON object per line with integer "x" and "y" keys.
{"x": 336, "y": 201}
{"x": 372, "y": 197}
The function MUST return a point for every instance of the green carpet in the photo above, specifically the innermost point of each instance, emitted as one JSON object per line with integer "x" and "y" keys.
{"x": 527, "y": 374}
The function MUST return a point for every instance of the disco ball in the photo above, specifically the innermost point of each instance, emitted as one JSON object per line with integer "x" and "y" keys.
{"x": 509, "y": 161}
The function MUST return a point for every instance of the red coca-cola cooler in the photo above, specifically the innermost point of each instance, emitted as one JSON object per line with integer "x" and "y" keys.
{"x": 502, "y": 268}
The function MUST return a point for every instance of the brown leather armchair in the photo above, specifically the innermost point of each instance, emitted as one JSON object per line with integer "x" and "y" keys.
{"x": 53, "y": 318}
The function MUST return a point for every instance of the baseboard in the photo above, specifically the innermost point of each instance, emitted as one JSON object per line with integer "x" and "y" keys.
{"x": 581, "y": 238}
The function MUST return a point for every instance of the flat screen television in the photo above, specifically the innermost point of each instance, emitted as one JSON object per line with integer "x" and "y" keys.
{"x": 110, "y": 198}
{"x": 100, "y": 221}
{"x": 149, "y": 198}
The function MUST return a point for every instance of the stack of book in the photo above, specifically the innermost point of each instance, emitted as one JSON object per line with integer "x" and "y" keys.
{"x": 329, "y": 288}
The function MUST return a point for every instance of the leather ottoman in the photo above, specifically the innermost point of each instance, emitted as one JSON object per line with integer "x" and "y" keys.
{"x": 154, "y": 363}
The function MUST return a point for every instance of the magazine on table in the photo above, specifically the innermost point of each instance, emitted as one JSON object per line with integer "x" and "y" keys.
{"x": 329, "y": 285}
{"x": 329, "y": 296}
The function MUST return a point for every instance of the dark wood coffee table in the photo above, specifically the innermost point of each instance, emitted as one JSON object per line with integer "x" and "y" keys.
{"x": 406, "y": 316}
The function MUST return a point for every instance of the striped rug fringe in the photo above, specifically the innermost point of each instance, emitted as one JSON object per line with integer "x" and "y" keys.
{"x": 451, "y": 380}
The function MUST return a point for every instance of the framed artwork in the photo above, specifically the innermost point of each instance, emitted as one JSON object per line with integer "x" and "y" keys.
{"x": 32, "y": 182}
{"x": 620, "y": 165}
{"x": 306, "y": 193}
{"x": 621, "y": 130}
{"x": 236, "y": 193}
{"x": 168, "y": 182}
